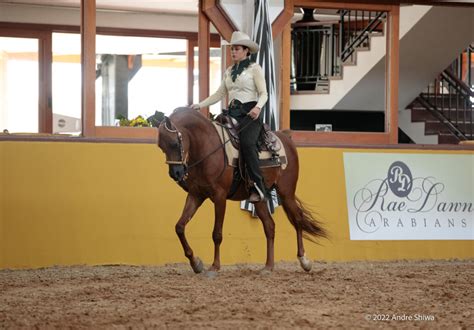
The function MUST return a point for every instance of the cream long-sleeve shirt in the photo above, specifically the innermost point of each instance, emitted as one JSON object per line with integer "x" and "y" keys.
{"x": 249, "y": 86}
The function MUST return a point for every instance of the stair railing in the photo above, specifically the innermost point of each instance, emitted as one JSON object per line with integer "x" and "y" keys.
{"x": 449, "y": 99}
{"x": 320, "y": 47}
{"x": 354, "y": 30}
{"x": 314, "y": 55}
{"x": 461, "y": 66}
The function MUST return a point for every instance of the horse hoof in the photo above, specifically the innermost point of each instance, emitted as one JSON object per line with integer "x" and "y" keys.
{"x": 197, "y": 265}
{"x": 305, "y": 263}
{"x": 266, "y": 271}
{"x": 213, "y": 269}
{"x": 210, "y": 274}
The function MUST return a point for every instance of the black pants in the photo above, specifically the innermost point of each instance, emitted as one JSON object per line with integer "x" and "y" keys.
{"x": 249, "y": 132}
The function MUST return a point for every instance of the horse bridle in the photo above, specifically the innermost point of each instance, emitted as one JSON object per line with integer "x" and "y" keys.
{"x": 184, "y": 157}
{"x": 179, "y": 136}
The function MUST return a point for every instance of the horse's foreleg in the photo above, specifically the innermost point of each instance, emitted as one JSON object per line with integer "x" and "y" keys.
{"x": 190, "y": 207}
{"x": 269, "y": 229}
{"x": 219, "y": 210}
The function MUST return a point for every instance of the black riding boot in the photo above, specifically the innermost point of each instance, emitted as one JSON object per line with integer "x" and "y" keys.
{"x": 249, "y": 153}
{"x": 249, "y": 133}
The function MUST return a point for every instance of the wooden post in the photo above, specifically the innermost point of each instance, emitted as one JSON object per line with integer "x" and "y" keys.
{"x": 285, "y": 77}
{"x": 392, "y": 74}
{"x": 88, "y": 31}
{"x": 190, "y": 60}
{"x": 203, "y": 46}
{"x": 45, "y": 122}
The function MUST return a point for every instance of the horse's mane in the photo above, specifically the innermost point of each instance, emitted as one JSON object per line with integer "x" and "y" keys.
{"x": 187, "y": 117}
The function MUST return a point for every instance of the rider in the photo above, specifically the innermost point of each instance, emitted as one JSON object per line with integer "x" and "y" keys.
{"x": 245, "y": 86}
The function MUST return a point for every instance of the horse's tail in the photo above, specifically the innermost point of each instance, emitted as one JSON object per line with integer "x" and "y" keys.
{"x": 301, "y": 217}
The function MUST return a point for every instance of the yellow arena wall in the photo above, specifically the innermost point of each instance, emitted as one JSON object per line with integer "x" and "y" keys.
{"x": 106, "y": 203}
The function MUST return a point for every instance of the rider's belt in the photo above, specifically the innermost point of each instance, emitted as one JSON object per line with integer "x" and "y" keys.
{"x": 238, "y": 108}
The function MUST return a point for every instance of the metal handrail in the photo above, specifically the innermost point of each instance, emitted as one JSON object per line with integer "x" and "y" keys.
{"x": 363, "y": 35}
{"x": 311, "y": 66}
{"x": 457, "y": 83}
{"x": 458, "y": 107}
{"x": 441, "y": 117}
{"x": 464, "y": 61}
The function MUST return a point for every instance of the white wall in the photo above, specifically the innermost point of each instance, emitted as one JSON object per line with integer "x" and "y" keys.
{"x": 117, "y": 19}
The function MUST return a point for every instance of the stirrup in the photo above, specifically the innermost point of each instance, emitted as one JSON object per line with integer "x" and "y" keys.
{"x": 261, "y": 195}
{"x": 254, "y": 198}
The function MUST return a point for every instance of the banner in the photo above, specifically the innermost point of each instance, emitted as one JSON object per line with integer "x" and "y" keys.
{"x": 393, "y": 196}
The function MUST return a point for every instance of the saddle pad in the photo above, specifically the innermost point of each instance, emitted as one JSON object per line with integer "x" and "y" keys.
{"x": 232, "y": 153}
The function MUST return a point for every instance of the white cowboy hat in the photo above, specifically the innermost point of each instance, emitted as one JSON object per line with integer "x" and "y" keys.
{"x": 241, "y": 39}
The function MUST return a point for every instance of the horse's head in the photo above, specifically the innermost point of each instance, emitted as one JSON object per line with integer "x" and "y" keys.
{"x": 174, "y": 144}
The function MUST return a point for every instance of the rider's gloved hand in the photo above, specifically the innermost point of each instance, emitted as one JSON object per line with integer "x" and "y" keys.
{"x": 254, "y": 113}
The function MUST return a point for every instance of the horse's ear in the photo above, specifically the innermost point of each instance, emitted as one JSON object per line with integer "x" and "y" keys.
{"x": 168, "y": 123}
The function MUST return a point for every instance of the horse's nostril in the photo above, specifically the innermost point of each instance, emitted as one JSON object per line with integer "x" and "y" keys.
{"x": 176, "y": 172}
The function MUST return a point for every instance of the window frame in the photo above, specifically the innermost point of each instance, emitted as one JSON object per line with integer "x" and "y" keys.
{"x": 44, "y": 32}
{"x": 390, "y": 134}
{"x": 223, "y": 24}
{"x": 45, "y": 113}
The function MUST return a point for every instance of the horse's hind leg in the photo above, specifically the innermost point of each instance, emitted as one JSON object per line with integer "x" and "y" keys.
{"x": 269, "y": 229}
{"x": 293, "y": 211}
{"x": 300, "y": 217}
{"x": 295, "y": 215}
{"x": 190, "y": 207}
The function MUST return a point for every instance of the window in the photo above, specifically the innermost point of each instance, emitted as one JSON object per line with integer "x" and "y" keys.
{"x": 137, "y": 73}
{"x": 66, "y": 83}
{"x": 215, "y": 77}
{"x": 137, "y": 76}
{"x": 337, "y": 57}
{"x": 19, "y": 85}
{"x": 215, "y": 10}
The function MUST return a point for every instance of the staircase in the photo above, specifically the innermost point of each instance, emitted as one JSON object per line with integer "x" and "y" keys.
{"x": 436, "y": 37}
{"x": 414, "y": 120}
{"x": 433, "y": 127}
{"x": 359, "y": 82}
{"x": 346, "y": 47}
{"x": 430, "y": 130}
{"x": 430, "y": 38}
{"x": 360, "y": 85}
{"x": 445, "y": 109}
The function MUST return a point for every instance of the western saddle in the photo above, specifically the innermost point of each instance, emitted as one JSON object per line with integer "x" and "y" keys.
{"x": 267, "y": 140}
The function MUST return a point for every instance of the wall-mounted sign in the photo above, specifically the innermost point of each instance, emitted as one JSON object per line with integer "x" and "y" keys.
{"x": 392, "y": 196}
{"x": 323, "y": 127}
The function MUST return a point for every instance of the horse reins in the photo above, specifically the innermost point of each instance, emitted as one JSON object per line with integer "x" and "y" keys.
{"x": 183, "y": 160}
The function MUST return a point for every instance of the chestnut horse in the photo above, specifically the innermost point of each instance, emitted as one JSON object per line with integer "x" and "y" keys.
{"x": 197, "y": 162}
